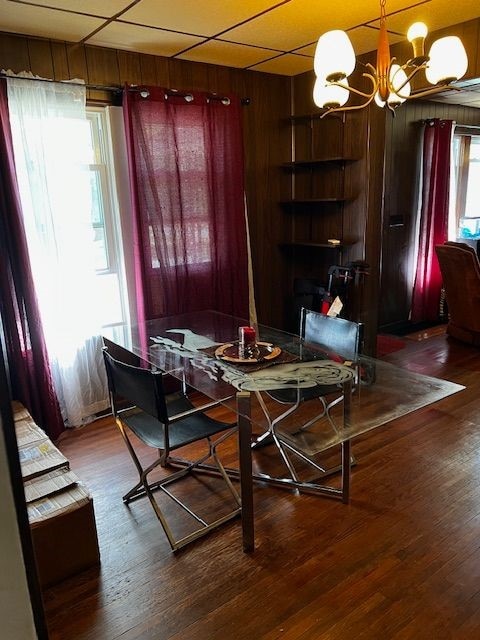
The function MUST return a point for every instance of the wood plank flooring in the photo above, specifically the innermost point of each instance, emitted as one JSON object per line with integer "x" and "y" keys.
{"x": 400, "y": 562}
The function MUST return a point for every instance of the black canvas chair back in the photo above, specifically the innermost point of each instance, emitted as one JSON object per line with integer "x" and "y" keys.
{"x": 142, "y": 387}
{"x": 335, "y": 336}
{"x": 139, "y": 406}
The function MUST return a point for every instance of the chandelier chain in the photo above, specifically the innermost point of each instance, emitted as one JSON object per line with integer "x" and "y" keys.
{"x": 382, "y": 11}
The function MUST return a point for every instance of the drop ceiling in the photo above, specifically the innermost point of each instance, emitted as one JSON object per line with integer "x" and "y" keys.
{"x": 264, "y": 35}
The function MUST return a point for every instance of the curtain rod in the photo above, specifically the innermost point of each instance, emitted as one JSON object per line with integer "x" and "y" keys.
{"x": 432, "y": 120}
{"x": 457, "y": 125}
{"x": 135, "y": 88}
{"x": 468, "y": 126}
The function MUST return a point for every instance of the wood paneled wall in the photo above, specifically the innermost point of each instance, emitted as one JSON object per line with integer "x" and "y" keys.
{"x": 266, "y": 141}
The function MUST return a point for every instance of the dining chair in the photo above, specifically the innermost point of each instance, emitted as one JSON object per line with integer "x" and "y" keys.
{"x": 321, "y": 337}
{"x": 141, "y": 407}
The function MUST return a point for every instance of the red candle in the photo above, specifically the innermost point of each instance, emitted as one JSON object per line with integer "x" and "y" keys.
{"x": 247, "y": 336}
{"x": 246, "y": 341}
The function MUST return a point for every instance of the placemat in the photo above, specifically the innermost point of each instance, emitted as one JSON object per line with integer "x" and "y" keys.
{"x": 283, "y": 358}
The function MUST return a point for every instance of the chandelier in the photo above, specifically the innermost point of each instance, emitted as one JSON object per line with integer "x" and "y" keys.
{"x": 335, "y": 61}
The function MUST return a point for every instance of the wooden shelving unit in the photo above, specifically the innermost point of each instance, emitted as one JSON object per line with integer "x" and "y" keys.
{"x": 324, "y": 154}
{"x": 317, "y": 175}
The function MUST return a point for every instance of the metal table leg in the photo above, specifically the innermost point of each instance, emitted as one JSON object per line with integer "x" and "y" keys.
{"x": 245, "y": 464}
{"x": 346, "y": 444}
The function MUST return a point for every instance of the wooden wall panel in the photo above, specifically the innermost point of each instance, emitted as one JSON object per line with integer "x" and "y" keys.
{"x": 41, "y": 58}
{"x": 267, "y": 144}
{"x": 162, "y": 68}
{"x": 14, "y": 53}
{"x": 148, "y": 71}
{"x": 355, "y": 211}
{"x": 77, "y": 63}
{"x": 102, "y": 66}
{"x": 59, "y": 60}
{"x": 129, "y": 66}
{"x": 266, "y": 139}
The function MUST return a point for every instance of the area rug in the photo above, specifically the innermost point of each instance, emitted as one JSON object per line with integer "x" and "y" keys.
{"x": 388, "y": 344}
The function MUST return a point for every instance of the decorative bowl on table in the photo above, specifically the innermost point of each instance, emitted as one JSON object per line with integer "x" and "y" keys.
{"x": 255, "y": 353}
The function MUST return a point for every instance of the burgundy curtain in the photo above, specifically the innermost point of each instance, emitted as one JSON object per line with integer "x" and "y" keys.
{"x": 187, "y": 184}
{"x": 433, "y": 219}
{"x": 27, "y": 356}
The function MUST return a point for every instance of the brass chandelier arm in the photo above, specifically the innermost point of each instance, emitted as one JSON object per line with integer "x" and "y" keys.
{"x": 433, "y": 90}
{"x": 408, "y": 77}
{"x": 351, "y": 108}
{"x": 357, "y": 92}
{"x": 418, "y": 94}
{"x": 370, "y": 96}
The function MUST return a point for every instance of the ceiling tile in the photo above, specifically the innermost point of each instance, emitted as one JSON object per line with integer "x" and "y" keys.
{"x": 103, "y": 8}
{"x": 288, "y": 65}
{"x": 142, "y": 39}
{"x": 45, "y": 23}
{"x": 226, "y": 53}
{"x": 201, "y": 17}
{"x": 301, "y": 22}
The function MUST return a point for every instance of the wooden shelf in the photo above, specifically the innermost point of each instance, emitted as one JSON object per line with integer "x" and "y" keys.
{"x": 318, "y": 245}
{"x": 299, "y": 164}
{"x": 318, "y": 200}
{"x": 305, "y": 117}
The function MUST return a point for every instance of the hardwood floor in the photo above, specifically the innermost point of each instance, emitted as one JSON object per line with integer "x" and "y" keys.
{"x": 400, "y": 562}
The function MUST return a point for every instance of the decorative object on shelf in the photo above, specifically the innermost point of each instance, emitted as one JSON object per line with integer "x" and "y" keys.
{"x": 335, "y": 61}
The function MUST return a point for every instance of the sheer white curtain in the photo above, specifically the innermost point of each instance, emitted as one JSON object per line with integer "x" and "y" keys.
{"x": 52, "y": 155}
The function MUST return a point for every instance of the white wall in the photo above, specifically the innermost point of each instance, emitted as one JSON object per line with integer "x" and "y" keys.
{"x": 16, "y": 617}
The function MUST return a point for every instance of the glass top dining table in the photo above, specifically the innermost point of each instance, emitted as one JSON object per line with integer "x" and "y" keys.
{"x": 193, "y": 348}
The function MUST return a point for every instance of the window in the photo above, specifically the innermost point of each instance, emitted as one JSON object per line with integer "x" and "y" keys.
{"x": 464, "y": 223}
{"x": 105, "y": 222}
{"x": 192, "y": 246}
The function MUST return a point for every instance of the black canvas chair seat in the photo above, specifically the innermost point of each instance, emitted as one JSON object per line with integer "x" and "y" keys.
{"x": 140, "y": 406}
{"x": 198, "y": 426}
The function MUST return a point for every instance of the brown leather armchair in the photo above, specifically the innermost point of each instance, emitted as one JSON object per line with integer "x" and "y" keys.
{"x": 460, "y": 269}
